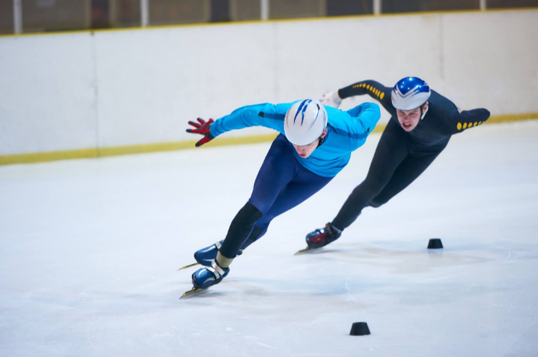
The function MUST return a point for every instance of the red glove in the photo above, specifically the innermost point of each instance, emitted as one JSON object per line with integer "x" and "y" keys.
{"x": 202, "y": 127}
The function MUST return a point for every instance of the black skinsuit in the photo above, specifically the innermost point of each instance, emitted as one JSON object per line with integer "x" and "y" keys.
{"x": 402, "y": 156}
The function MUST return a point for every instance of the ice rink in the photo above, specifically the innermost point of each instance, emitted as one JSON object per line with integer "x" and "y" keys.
{"x": 89, "y": 252}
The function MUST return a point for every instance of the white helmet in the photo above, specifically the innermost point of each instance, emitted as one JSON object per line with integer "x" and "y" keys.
{"x": 410, "y": 93}
{"x": 305, "y": 121}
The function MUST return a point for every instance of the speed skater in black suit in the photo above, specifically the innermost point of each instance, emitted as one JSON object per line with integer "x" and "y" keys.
{"x": 421, "y": 124}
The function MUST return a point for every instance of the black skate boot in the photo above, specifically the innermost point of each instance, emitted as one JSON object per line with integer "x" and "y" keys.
{"x": 323, "y": 236}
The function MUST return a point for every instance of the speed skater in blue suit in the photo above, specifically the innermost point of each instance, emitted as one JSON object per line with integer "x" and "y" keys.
{"x": 315, "y": 143}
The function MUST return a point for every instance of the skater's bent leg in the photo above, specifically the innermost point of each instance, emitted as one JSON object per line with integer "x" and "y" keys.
{"x": 256, "y": 233}
{"x": 240, "y": 228}
{"x": 303, "y": 186}
{"x": 391, "y": 151}
{"x": 238, "y": 232}
{"x": 408, "y": 171}
{"x": 354, "y": 204}
{"x": 278, "y": 169}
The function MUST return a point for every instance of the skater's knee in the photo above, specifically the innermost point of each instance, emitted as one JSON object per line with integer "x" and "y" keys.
{"x": 256, "y": 233}
{"x": 377, "y": 202}
{"x": 368, "y": 189}
{"x": 249, "y": 214}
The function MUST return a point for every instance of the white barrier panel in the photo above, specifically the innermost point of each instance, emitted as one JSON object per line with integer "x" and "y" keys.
{"x": 491, "y": 59}
{"x": 317, "y": 56}
{"x": 129, "y": 87}
{"x": 47, "y": 93}
{"x": 152, "y": 82}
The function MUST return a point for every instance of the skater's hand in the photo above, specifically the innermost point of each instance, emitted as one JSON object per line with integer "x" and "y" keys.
{"x": 201, "y": 127}
{"x": 331, "y": 99}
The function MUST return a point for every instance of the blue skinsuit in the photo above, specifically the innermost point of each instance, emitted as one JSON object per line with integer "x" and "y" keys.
{"x": 285, "y": 180}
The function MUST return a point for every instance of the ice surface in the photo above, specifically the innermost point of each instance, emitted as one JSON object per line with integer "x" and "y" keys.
{"x": 89, "y": 251}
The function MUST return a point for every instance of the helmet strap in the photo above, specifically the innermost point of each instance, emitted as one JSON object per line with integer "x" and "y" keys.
{"x": 423, "y": 112}
{"x": 322, "y": 139}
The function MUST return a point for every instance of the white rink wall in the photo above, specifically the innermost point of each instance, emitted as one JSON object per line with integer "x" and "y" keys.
{"x": 129, "y": 87}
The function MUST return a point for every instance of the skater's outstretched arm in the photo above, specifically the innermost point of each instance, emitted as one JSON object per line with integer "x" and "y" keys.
{"x": 267, "y": 115}
{"x": 466, "y": 119}
{"x": 372, "y": 88}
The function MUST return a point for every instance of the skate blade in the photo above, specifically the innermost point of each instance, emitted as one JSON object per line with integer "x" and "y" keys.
{"x": 188, "y": 266}
{"x": 303, "y": 251}
{"x": 192, "y": 292}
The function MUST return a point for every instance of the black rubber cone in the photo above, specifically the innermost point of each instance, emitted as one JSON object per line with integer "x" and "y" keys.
{"x": 359, "y": 329}
{"x": 435, "y": 243}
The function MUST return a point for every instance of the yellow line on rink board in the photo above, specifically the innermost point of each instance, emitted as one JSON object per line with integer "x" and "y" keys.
{"x": 91, "y": 153}
{"x": 31, "y": 158}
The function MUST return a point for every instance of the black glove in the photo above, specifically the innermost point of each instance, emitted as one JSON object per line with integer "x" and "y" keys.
{"x": 202, "y": 127}
{"x": 323, "y": 236}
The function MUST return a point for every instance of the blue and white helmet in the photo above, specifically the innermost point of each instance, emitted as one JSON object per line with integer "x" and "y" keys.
{"x": 410, "y": 93}
{"x": 305, "y": 121}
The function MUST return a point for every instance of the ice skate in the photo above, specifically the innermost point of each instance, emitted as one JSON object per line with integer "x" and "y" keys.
{"x": 321, "y": 237}
{"x": 205, "y": 256}
{"x": 206, "y": 277}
